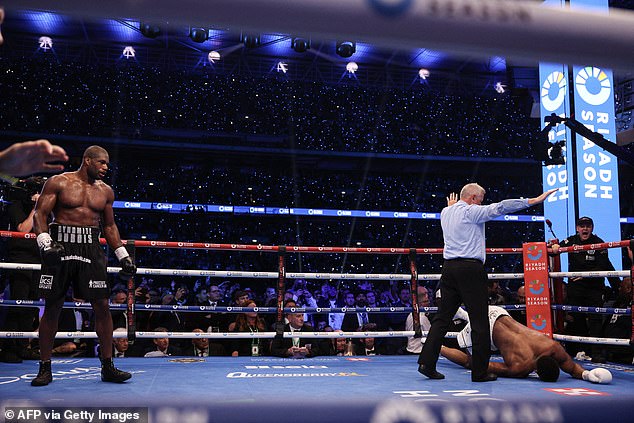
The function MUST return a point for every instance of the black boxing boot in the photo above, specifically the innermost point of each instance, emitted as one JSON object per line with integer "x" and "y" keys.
{"x": 44, "y": 376}
{"x": 109, "y": 373}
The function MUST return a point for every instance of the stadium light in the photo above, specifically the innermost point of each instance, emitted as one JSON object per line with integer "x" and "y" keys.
{"x": 198, "y": 35}
{"x": 300, "y": 45}
{"x": 149, "y": 30}
{"x": 346, "y": 48}
{"x": 251, "y": 40}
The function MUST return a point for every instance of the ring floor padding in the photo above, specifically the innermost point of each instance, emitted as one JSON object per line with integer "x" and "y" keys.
{"x": 321, "y": 389}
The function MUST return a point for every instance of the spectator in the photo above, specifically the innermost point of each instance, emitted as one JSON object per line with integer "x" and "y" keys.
{"x": 161, "y": 346}
{"x": 493, "y": 290}
{"x": 520, "y": 314}
{"x": 120, "y": 345}
{"x": 296, "y": 347}
{"x": 202, "y": 347}
{"x": 249, "y": 322}
{"x": 370, "y": 345}
{"x": 587, "y": 292}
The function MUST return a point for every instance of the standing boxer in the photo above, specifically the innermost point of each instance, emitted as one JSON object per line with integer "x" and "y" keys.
{"x": 79, "y": 202}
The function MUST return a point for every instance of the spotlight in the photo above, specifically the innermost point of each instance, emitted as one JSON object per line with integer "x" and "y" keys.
{"x": 129, "y": 52}
{"x": 352, "y": 67}
{"x": 282, "y": 67}
{"x": 346, "y": 48}
{"x": 300, "y": 45}
{"x": 213, "y": 56}
{"x": 198, "y": 35}
{"x": 45, "y": 43}
{"x": 423, "y": 73}
{"x": 251, "y": 40}
{"x": 149, "y": 30}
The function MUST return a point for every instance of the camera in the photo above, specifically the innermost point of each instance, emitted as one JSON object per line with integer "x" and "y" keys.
{"x": 24, "y": 189}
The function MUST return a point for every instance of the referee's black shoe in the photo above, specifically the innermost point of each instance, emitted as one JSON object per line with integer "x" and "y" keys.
{"x": 429, "y": 372}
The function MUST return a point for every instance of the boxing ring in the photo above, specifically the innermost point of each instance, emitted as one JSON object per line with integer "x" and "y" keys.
{"x": 353, "y": 388}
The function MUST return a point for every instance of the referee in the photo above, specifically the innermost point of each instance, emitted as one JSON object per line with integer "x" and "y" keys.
{"x": 464, "y": 279}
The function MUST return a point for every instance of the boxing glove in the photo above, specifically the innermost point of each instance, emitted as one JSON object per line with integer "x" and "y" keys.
{"x": 598, "y": 375}
{"x": 51, "y": 252}
{"x": 128, "y": 269}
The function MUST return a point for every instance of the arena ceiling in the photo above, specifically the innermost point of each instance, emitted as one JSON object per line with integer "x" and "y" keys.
{"x": 102, "y": 41}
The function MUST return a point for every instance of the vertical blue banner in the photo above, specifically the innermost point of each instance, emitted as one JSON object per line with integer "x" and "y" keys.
{"x": 597, "y": 170}
{"x": 555, "y": 98}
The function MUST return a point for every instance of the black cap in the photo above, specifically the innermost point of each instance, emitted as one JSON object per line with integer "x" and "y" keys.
{"x": 584, "y": 220}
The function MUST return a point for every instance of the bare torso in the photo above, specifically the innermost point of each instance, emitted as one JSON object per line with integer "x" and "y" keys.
{"x": 79, "y": 202}
{"x": 520, "y": 346}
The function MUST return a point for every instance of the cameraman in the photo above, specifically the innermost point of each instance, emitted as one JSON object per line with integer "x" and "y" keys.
{"x": 23, "y": 284}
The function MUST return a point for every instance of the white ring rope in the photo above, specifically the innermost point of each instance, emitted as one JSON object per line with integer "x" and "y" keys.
{"x": 268, "y": 275}
{"x": 225, "y": 335}
{"x": 598, "y": 274}
{"x": 302, "y": 275}
{"x": 270, "y": 335}
{"x": 589, "y": 340}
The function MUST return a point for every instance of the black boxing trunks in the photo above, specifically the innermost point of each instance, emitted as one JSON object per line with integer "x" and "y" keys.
{"x": 83, "y": 265}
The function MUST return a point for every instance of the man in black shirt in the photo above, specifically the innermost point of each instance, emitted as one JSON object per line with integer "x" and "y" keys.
{"x": 587, "y": 292}
{"x": 22, "y": 283}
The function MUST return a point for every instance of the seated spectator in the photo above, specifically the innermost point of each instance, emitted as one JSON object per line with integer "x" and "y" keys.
{"x": 71, "y": 320}
{"x": 370, "y": 345}
{"x": 341, "y": 346}
{"x": 415, "y": 345}
{"x": 520, "y": 315}
{"x": 249, "y": 322}
{"x": 119, "y": 317}
{"x": 296, "y": 347}
{"x": 162, "y": 347}
{"x": 495, "y": 297}
{"x": 120, "y": 345}
{"x": 201, "y": 347}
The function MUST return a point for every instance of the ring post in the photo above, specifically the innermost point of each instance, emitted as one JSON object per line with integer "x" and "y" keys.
{"x": 538, "y": 311}
{"x": 558, "y": 290}
{"x": 414, "y": 292}
{"x": 632, "y": 305}
{"x": 281, "y": 288}
{"x": 130, "y": 247}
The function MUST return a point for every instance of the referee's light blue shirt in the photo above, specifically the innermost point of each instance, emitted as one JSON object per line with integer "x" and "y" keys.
{"x": 463, "y": 226}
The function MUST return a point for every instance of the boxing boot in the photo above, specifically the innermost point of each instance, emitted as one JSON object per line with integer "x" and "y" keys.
{"x": 44, "y": 376}
{"x": 109, "y": 373}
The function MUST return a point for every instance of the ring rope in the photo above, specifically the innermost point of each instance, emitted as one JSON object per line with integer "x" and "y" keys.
{"x": 308, "y": 335}
{"x": 267, "y": 275}
{"x": 598, "y": 274}
{"x": 224, "y": 335}
{"x": 317, "y": 310}
{"x": 272, "y": 248}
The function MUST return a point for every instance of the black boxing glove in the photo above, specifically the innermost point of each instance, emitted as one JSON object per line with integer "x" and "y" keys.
{"x": 128, "y": 269}
{"x": 50, "y": 251}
